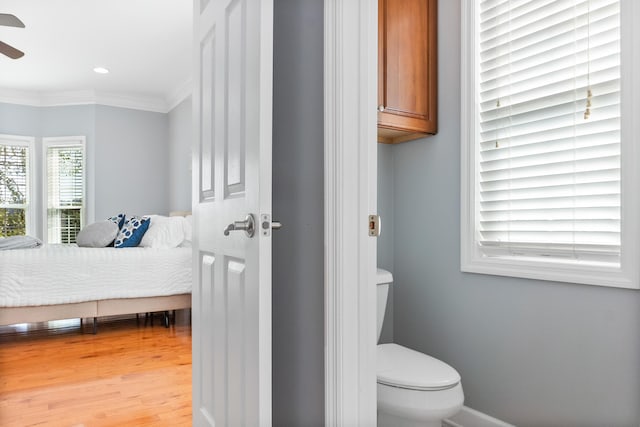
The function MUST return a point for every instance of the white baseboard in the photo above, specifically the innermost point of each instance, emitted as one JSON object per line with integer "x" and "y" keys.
{"x": 468, "y": 417}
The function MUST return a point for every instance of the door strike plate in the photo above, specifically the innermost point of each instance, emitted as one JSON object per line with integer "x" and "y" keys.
{"x": 374, "y": 225}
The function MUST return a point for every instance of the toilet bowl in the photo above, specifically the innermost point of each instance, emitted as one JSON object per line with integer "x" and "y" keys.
{"x": 414, "y": 389}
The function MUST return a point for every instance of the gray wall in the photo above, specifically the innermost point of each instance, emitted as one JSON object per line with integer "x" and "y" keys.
{"x": 131, "y": 161}
{"x": 74, "y": 120}
{"x": 51, "y": 122}
{"x": 180, "y": 125}
{"x": 25, "y": 121}
{"x": 532, "y": 353}
{"x": 20, "y": 119}
{"x": 385, "y": 240}
{"x": 127, "y": 151}
{"x": 298, "y": 193}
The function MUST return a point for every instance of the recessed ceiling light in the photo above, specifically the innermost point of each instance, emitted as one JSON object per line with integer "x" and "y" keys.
{"x": 101, "y": 70}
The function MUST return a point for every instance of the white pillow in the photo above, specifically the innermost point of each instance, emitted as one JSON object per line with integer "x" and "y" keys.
{"x": 164, "y": 232}
{"x": 188, "y": 229}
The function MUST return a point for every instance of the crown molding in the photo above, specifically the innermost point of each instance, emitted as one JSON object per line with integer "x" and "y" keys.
{"x": 85, "y": 97}
{"x": 154, "y": 104}
{"x": 179, "y": 94}
{"x": 12, "y": 96}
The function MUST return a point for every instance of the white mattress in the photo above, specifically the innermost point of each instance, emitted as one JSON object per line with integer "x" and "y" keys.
{"x": 61, "y": 274}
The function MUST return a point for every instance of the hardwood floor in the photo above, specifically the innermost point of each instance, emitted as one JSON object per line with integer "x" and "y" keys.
{"x": 126, "y": 375}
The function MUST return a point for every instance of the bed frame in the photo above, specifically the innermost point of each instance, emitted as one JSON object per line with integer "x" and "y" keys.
{"x": 94, "y": 309}
{"x": 99, "y": 308}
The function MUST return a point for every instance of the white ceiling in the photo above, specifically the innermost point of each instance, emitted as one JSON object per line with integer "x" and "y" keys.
{"x": 146, "y": 45}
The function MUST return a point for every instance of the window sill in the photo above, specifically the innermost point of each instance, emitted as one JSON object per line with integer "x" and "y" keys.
{"x": 556, "y": 270}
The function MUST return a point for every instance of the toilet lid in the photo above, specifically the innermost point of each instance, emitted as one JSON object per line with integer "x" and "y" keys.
{"x": 402, "y": 367}
{"x": 383, "y": 277}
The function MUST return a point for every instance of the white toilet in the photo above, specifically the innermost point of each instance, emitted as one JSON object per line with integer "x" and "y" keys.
{"x": 414, "y": 390}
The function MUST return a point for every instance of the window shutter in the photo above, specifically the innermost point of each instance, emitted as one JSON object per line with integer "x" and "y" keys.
{"x": 65, "y": 192}
{"x": 549, "y": 121}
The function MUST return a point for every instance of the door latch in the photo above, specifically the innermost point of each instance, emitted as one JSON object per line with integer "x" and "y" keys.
{"x": 267, "y": 225}
{"x": 374, "y": 225}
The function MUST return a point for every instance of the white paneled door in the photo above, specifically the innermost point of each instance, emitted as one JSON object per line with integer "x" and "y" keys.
{"x": 232, "y": 105}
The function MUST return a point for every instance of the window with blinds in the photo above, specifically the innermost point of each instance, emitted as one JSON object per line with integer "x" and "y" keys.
{"x": 65, "y": 191}
{"x": 548, "y": 128}
{"x": 549, "y": 125}
{"x": 14, "y": 187}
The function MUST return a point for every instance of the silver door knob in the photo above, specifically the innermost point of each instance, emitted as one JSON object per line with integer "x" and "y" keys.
{"x": 248, "y": 226}
{"x": 381, "y": 108}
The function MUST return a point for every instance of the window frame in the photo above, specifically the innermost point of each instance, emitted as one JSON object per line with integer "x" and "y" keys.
{"x": 64, "y": 141}
{"x": 472, "y": 260}
{"x": 29, "y": 142}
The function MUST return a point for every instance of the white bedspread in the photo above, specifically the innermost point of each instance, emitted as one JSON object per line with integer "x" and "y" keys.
{"x": 61, "y": 274}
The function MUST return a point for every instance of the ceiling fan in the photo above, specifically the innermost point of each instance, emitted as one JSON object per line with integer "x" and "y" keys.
{"x": 9, "y": 20}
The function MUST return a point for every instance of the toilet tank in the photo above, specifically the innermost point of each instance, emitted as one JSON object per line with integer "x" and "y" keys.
{"x": 383, "y": 280}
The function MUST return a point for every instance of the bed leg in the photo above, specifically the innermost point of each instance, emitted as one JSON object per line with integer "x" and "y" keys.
{"x": 166, "y": 319}
{"x": 138, "y": 319}
{"x": 81, "y": 322}
{"x": 95, "y": 325}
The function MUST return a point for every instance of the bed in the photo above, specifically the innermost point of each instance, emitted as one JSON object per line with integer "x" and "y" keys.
{"x": 65, "y": 281}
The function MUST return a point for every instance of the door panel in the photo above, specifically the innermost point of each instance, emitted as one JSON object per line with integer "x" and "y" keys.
{"x": 206, "y": 349}
{"x": 236, "y": 341}
{"x": 235, "y": 97}
{"x": 207, "y": 88}
{"x": 219, "y": 359}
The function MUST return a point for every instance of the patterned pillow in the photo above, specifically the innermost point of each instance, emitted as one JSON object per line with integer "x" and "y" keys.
{"x": 117, "y": 220}
{"x": 132, "y": 231}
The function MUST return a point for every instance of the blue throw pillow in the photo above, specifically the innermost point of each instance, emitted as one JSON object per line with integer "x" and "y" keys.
{"x": 118, "y": 220}
{"x": 132, "y": 231}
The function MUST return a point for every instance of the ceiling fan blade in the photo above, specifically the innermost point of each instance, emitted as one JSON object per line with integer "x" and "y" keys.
{"x": 9, "y": 20}
{"x": 10, "y": 51}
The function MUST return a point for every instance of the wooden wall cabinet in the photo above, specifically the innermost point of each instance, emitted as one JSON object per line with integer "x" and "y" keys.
{"x": 407, "y": 70}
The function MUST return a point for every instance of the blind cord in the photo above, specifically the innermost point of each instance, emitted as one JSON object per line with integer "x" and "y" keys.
{"x": 587, "y": 111}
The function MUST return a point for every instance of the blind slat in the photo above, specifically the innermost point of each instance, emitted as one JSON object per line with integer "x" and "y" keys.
{"x": 589, "y": 213}
{"x": 591, "y": 176}
{"x": 543, "y": 203}
{"x": 585, "y": 166}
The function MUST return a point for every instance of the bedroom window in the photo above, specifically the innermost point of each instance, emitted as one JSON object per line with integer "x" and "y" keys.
{"x": 548, "y": 156}
{"x": 65, "y": 189}
{"x": 15, "y": 185}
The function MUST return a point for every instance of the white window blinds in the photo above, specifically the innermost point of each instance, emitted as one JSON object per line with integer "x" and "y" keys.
{"x": 65, "y": 192}
{"x": 549, "y": 122}
{"x": 14, "y": 185}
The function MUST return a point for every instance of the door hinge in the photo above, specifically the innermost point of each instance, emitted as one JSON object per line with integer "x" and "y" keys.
{"x": 374, "y": 225}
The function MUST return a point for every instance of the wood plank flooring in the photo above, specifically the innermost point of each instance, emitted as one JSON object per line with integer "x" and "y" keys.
{"x": 126, "y": 375}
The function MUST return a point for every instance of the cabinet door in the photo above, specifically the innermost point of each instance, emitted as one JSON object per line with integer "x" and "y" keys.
{"x": 407, "y": 69}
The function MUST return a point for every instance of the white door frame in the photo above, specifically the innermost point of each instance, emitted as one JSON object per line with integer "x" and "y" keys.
{"x": 350, "y": 173}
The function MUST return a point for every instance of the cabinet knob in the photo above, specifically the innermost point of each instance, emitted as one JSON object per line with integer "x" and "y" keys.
{"x": 381, "y": 108}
